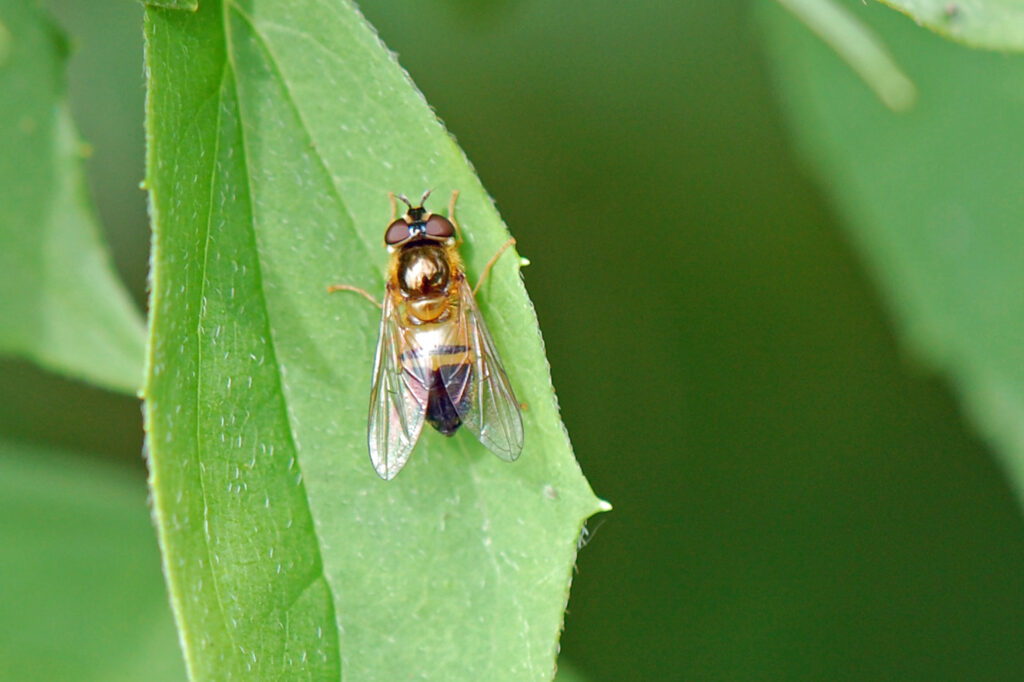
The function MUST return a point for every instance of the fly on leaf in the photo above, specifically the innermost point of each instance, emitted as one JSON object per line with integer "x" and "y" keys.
{"x": 436, "y": 361}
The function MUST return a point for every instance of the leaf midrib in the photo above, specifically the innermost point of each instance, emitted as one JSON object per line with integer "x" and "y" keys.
{"x": 231, "y": 69}
{"x": 199, "y": 383}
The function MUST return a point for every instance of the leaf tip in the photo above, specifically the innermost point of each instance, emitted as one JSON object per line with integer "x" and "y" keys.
{"x": 897, "y": 92}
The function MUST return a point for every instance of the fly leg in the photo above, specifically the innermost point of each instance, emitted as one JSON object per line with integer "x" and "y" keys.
{"x": 355, "y": 290}
{"x": 451, "y": 217}
{"x": 490, "y": 263}
{"x": 458, "y": 241}
{"x": 394, "y": 207}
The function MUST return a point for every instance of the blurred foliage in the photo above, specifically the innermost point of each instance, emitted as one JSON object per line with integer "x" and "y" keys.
{"x": 858, "y": 46}
{"x": 60, "y": 303}
{"x": 83, "y": 597}
{"x": 795, "y": 499}
{"x": 932, "y": 198}
{"x": 991, "y": 24}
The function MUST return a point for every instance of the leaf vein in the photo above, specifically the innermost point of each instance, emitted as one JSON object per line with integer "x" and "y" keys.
{"x": 313, "y": 144}
{"x": 201, "y": 313}
{"x": 271, "y": 341}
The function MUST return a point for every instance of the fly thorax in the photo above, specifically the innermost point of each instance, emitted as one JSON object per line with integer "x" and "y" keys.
{"x": 424, "y": 277}
{"x": 423, "y": 270}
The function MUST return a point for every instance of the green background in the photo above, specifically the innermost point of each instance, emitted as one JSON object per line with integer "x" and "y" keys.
{"x": 795, "y": 496}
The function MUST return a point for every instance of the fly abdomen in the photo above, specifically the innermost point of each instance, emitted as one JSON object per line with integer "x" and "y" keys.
{"x": 443, "y": 371}
{"x": 435, "y": 352}
{"x": 441, "y": 412}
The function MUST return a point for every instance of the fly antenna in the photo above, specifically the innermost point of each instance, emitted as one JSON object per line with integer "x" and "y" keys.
{"x": 406, "y": 201}
{"x": 423, "y": 199}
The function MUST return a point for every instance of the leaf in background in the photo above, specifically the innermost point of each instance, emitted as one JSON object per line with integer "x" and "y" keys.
{"x": 992, "y": 24}
{"x": 275, "y": 132}
{"x": 858, "y": 46}
{"x": 60, "y": 301}
{"x": 932, "y": 198}
{"x": 190, "y": 5}
{"x": 82, "y": 597}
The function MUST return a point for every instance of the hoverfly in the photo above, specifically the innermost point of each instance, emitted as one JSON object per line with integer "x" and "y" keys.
{"x": 435, "y": 359}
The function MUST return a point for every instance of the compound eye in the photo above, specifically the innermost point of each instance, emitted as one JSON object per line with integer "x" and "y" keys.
{"x": 398, "y": 232}
{"x": 439, "y": 227}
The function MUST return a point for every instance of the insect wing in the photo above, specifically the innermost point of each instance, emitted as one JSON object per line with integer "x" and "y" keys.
{"x": 398, "y": 401}
{"x": 483, "y": 397}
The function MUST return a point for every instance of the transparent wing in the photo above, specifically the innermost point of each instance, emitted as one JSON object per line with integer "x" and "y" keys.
{"x": 483, "y": 396}
{"x": 398, "y": 399}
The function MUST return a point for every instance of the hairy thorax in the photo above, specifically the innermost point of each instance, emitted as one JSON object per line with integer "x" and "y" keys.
{"x": 424, "y": 279}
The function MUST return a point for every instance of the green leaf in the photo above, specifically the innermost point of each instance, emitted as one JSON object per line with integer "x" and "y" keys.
{"x": 275, "y": 132}
{"x": 933, "y": 200}
{"x": 855, "y": 43}
{"x": 991, "y": 24}
{"x": 83, "y": 598}
{"x": 60, "y": 301}
{"x": 187, "y": 5}
{"x": 5, "y": 44}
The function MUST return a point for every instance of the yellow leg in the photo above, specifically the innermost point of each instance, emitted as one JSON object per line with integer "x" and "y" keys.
{"x": 394, "y": 207}
{"x": 490, "y": 263}
{"x": 355, "y": 290}
{"x": 451, "y": 217}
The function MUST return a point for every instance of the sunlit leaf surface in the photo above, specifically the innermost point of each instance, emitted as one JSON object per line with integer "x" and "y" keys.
{"x": 276, "y": 131}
